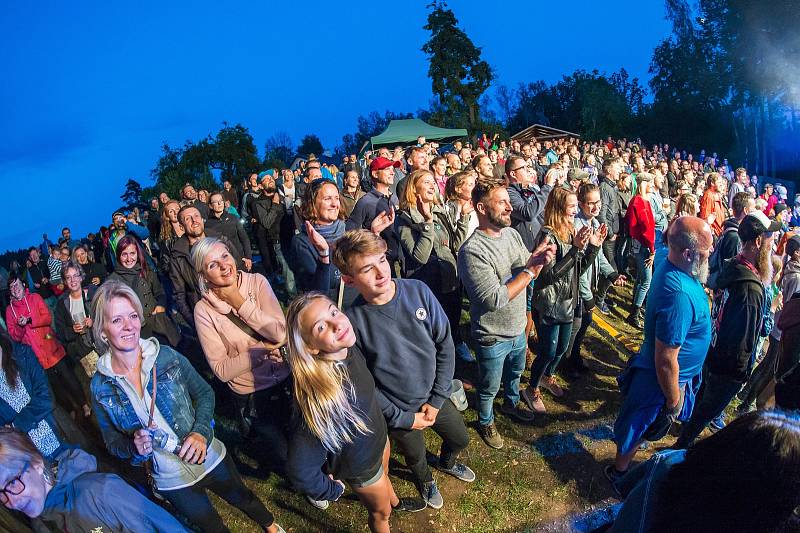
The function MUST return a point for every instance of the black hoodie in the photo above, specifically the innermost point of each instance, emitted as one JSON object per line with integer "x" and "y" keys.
{"x": 738, "y": 319}
{"x": 787, "y": 388}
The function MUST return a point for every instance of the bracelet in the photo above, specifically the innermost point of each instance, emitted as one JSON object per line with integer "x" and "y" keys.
{"x": 326, "y": 254}
{"x": 529, "y": 272}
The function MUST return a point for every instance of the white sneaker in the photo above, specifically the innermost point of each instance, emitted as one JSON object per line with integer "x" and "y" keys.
{"x": 319, "y": 504}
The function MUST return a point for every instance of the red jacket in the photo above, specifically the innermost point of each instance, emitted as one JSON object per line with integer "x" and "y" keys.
{"x": 640, "y": 222}
{"x": 37, "y": 334}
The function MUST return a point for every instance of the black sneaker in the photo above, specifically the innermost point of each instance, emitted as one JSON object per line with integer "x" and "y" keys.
{"x": 613, "y": 475}
{"x": 409, "y": 505}
{"x": 519, "y": 413}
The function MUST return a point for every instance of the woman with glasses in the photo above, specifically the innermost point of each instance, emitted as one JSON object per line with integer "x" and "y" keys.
{"x": 66, "y": 493}
{"x": 74, "y": 319}
{"x": 28, "y": 319}
{"x": 154, "y": 409}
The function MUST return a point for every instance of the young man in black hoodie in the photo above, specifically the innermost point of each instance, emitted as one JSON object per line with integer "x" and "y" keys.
{"x": 740, "y": 314}
{"x": 404, "y": 335}
{"x": 729, "y": 243}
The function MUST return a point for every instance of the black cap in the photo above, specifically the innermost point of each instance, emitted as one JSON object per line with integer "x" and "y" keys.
{"x": 755, "y": 225}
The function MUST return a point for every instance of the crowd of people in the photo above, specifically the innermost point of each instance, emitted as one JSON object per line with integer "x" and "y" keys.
{"x": 127, "y": 329}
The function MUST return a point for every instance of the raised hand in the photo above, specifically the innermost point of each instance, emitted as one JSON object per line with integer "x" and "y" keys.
{"x": 382, "y": 221}
{"x": 599, "y": 235}
{"x": 541, "y": 255}
{"x": 581, "y": 237}
{"x": 424, "y": 209}
{"x": 317, "y": 241}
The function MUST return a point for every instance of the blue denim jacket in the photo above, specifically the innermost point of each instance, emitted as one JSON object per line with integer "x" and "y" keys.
{"x": 183, "y": 398}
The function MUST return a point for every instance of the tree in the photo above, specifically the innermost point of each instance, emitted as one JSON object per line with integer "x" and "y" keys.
{"x": 458, "y": 74}
{"x": 310, "y": 144}
{"x": 234, "y": 152}
{"x": 132, "y": 197}
{"x": 278, "y": 151}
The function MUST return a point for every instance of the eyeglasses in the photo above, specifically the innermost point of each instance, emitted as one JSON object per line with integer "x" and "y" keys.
{"x": 15, "y": 487}
{"x": 519, "y": 168}
{"x": 74, "y": 277}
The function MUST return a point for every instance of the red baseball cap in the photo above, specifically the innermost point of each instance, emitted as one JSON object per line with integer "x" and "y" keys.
{"x": 379, "y": 163}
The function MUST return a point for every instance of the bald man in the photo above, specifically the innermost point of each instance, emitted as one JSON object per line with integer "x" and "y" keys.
{"x": 662, "y": 380}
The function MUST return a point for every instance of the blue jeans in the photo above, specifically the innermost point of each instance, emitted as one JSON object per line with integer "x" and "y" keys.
{"x": 503, "y": 362}
{"x": 715, "y": 395}
{"x": 643, "y": 277}
{"x": 553, "y": 344}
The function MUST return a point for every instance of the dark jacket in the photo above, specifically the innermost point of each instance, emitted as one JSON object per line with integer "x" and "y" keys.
{"x": 83, "y": 499}
{"x": 184, "y": 279}
{"x": 148, "y": 288}
{"x": 40, "y": 405}
{"x": 556, "y": 291}
{"x": 527, "y": 211}
{"x": 91, "y": 271}
{"x": 787, "y": 376}
{"x": 737, "y": 317}
{"x": 367, "y": 208}
{"x": 610, "y": 210}
{"x": 309, "y": 461}
{"x": 229, "y": 227}
{"x": 267, "y": 213}
{"x": 77, "y": 345}
{"x": 310, "y": 274}
{"x": 728, "y": 246}
{"x": 232, "y": 196}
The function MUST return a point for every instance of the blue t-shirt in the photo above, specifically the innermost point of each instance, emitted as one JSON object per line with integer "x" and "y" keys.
{"x": 678, "y": 315}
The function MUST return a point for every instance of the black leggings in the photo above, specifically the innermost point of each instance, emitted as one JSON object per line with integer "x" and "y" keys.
{"x": 66, "y": 387}
{"x": 224, "y": 481}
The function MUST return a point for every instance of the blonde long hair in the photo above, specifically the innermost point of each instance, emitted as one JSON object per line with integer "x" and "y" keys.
{"x": 555, "y": 217}
{"x": 322, "y": 387}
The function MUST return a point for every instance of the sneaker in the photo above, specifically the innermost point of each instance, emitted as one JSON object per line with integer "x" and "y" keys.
{"x": 613, "y": 475}
{"x": 717, "y": 424}
{"x": 430, "y": 493}
{"x": 637, "y": 318}
{"x": 463, "y": 352}
{"x": 517, "y": 412}
{"x": 490, "y": 436}
{"x": 319, "y": 504}
{"x": 459, "y": 471}
{"x": 603, "y": 308}
{"x": 409, "y": 505}
{"x": 549, "y": 384}
{"x": 533, "y": 399}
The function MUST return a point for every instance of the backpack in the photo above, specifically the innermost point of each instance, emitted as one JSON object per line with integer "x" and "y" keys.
{"x": 716, "y": 260}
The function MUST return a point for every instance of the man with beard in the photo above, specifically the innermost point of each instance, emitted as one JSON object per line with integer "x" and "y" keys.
{"x": 496, "y": 267}
{"x": 267, "y": 211}
{"x": 189, "y": 197}
{"x": 740, "y": 314}
{"x": 181, "y": 271}
{"x": 661, "y": 381}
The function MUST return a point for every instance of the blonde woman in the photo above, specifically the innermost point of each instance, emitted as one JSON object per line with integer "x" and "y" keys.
{"x": 339, "y": 425}
{"x": 556, "y": 290}
{"x": 430, "y": 241}
{"x": 241, "y": 327}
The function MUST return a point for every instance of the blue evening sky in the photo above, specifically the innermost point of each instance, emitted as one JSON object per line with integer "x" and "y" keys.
{"x": 91, "y": 90}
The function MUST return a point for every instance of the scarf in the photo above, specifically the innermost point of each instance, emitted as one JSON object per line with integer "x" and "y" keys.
{"x": 331, "y": 232}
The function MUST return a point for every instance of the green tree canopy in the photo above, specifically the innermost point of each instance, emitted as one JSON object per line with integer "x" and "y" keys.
{"x": 458, "y": 74}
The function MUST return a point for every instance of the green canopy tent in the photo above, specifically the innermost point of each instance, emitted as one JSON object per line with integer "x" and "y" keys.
{"x": 407, "y": 130}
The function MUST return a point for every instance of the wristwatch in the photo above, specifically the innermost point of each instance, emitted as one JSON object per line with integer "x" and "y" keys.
{"x": 326, "y": 254}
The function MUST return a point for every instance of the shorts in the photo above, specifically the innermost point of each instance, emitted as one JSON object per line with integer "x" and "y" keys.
{"x": 367, "y": 478}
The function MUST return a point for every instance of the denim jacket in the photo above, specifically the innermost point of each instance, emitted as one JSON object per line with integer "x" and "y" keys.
{"x": 183, "y": 398}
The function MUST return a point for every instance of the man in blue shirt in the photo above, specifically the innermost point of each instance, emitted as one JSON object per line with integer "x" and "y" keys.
{"x": 662, "y": 380}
